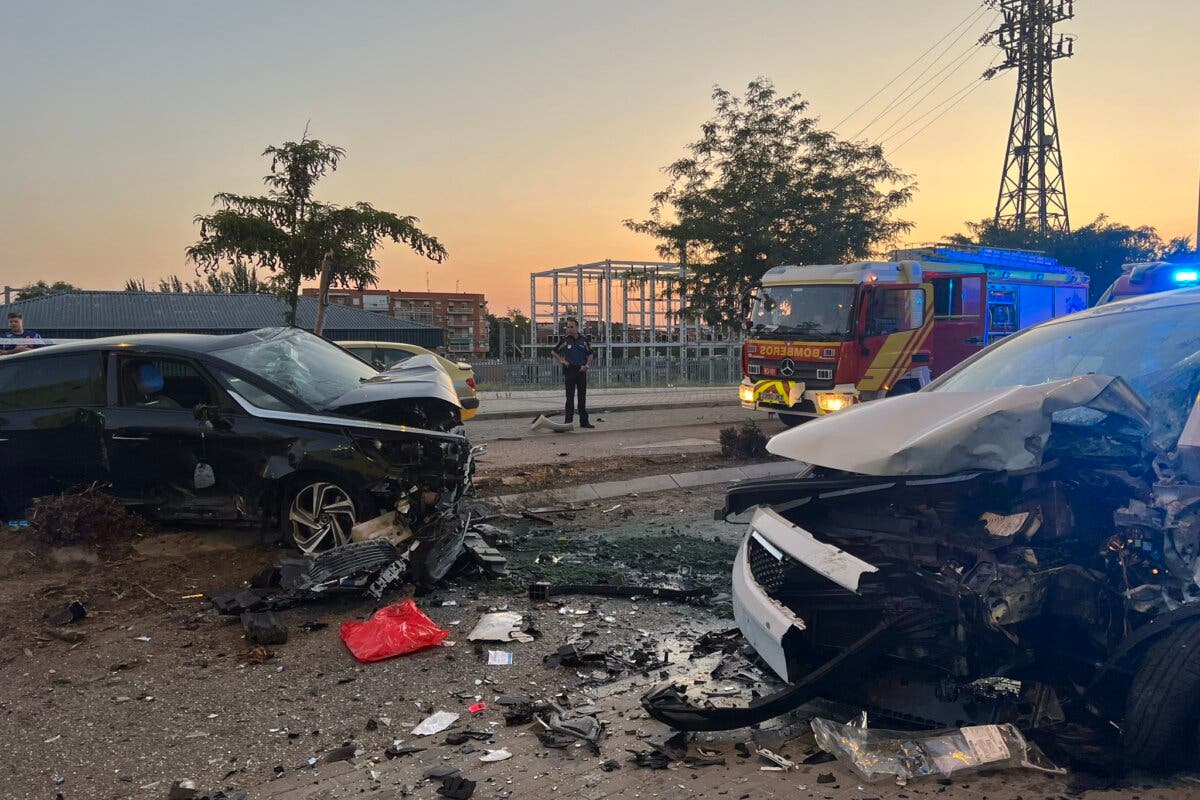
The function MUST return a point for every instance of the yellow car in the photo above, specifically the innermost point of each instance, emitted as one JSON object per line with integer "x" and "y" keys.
{"x": 385, "y": 355}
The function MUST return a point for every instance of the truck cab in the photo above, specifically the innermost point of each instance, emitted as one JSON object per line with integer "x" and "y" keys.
{"x": 824, "y": 337}
{"x": 1148, "y": 277}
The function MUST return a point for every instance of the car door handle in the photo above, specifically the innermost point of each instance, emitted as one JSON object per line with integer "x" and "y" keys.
{"x": 117, "y": 438}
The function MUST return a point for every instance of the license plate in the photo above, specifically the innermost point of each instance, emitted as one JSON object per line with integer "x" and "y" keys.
{"x": 770, "y": 397}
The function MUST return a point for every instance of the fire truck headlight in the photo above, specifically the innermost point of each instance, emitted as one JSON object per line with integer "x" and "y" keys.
{"x": 746, "y": 394}
{"x": 833, "y": 401}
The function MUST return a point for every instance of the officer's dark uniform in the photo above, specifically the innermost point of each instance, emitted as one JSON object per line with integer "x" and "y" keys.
{"x": 576, "y": 351}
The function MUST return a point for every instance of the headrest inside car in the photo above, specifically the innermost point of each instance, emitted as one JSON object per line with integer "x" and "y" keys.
{"x": 147, "y": 378}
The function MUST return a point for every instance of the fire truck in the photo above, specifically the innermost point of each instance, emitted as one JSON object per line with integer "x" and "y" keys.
{"x": 824, "y": 337}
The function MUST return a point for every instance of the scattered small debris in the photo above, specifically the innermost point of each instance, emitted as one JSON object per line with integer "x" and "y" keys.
{"x": 66, "y": 614}
{"x": 456, "y": 787}
{"x": 499, "y": 658}
{"x": 499, "y": 626}
{"x": 495, "y": 755}
{"x": 264, "y": 627}
{"x": 651, "y": 759}
{"x": 826, "y": 777}
{"x": 435, "y": 723}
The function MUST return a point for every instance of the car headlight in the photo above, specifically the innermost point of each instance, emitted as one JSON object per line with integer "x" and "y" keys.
{"x": 833, "y": 401}
{"x": 746, "y": 393}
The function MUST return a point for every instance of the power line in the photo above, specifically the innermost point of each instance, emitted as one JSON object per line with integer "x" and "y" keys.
{"x": 966, "y": 20}
{"x": 971, "y": 87}
{"x": 957, "y": 65}
{"x": 905, "y": 93}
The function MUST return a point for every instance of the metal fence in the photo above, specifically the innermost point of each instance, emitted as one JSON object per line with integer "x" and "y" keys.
{"x": 652, "y": 371}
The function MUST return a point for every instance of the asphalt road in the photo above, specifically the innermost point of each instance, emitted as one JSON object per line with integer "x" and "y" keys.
{"x": 621, "y": 433}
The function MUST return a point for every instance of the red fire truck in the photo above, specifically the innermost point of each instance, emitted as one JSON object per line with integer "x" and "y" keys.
{"x": 824, "y": 337}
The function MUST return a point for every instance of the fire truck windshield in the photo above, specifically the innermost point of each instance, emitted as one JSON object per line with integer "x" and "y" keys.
{"x": 818, "y": 312}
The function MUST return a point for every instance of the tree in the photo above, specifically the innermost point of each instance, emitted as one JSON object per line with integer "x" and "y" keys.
{"x": 241, "y": 279}
{"x": 764, "y": 186}
{"x": 41, "y": 289}
{"x": 516, "y": 332}
{"x": 288, "y": 232}
{"x": 1100, "y": 249}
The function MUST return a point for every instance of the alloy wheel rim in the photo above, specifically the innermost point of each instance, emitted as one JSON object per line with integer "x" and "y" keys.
{"x": 322, "y": 515}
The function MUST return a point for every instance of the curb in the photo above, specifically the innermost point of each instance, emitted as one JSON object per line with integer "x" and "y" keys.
{"x": 532, "y": 413}
{"x": 647, "y": 484}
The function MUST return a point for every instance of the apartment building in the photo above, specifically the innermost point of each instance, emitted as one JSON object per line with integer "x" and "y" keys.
{"x": 462, "y": 316}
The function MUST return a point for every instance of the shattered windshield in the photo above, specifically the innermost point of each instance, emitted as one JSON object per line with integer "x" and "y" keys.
{"x": 301, "y": 364}
{"x": 1156, "y": 350}
{"x": 817, "y": 312}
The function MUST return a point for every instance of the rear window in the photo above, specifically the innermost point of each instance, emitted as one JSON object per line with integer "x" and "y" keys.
{"x": 51, "y": 382}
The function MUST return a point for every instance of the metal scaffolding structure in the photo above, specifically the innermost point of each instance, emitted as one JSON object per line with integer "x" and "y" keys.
{"x": 632, "y": 310}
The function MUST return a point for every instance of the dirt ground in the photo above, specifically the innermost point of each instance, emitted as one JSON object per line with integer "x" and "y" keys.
{"x": 151, "y": 687}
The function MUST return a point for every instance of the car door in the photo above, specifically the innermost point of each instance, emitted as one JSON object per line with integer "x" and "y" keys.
{"x": 51, "y": 426}
{"x": 158, "y": 451}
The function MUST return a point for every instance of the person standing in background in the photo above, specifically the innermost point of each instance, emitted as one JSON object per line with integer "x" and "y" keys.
{"x": 575, "y": 353}
{"x": 16, "y": 330}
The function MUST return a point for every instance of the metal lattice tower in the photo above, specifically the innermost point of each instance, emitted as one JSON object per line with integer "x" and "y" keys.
{"x": 1033, "y": 192}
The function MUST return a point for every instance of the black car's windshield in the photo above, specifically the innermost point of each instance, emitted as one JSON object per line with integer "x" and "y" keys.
{"x": 814, "y": 311}
{"x": 301, "y": 364}
{"x": 1157, "y": 350}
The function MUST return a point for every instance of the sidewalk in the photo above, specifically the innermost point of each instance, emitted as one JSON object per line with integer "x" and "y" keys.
{"x": 649, "y": 483}
{"x": 502, "y": 405}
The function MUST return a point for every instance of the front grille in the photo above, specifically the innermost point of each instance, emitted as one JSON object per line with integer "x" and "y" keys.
{"x": 814, "y": 376}
{"x": 767, "y": 570}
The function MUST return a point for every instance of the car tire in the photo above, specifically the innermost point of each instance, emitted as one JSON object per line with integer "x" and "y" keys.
{"x": 1164, "y": 701}
{"x": 318, "y": 515}
{"x": 791, "y": 420}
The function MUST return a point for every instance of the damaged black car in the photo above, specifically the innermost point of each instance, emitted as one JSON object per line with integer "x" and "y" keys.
{"x": 276, "y": 426}
{"x": 1018, "y": 542}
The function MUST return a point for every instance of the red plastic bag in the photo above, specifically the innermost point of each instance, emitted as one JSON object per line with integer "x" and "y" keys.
{"x": 392, "y": 631}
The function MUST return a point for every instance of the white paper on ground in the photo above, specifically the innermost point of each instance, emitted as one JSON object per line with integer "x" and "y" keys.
{"x": 499, "y": 626}
{"x": 499, "y": 658}
{"x": 435, "y": 723}
{"x": 496, "y": 755}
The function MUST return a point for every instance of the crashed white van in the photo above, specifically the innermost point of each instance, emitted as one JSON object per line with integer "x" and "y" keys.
{"x": 1019, "y": 541}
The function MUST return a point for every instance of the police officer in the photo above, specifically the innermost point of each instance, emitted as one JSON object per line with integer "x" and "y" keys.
{"x": 575, "y": 353}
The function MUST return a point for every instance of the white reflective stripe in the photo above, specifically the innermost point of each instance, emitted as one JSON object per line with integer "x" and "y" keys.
{"x": 834, "y": 563}
{"x": 349, "y": 422}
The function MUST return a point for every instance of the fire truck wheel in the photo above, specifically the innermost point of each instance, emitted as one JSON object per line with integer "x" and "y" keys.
{"x": 791, "y": 420}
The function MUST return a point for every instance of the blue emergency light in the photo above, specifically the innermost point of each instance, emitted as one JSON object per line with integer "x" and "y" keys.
{"x": 1186, "y": 275}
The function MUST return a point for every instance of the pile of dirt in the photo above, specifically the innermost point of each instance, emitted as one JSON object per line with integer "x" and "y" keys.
{"x": 743, "y": 442}
{"x": 84, "y": 516}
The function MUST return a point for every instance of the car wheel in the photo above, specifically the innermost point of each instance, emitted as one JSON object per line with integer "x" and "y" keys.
{"x": 1164, "y": 701}
{"x": 791, "y": 420}
{"x": 320, "y": 516}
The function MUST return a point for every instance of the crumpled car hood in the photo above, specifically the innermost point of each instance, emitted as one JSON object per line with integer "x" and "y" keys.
{"x": 941, "y": 433}
{"x": 419, "y": 377}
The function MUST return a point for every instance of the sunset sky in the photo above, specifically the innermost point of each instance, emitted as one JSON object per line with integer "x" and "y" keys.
{"x": 522, "y": 133}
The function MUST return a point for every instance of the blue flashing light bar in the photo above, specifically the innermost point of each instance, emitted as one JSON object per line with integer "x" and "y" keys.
{"x": 1186, "y": 276}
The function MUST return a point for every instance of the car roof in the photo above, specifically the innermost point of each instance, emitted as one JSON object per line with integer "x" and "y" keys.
{"x": 178, "y": 342}
{"x": 1146, "y": 302}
